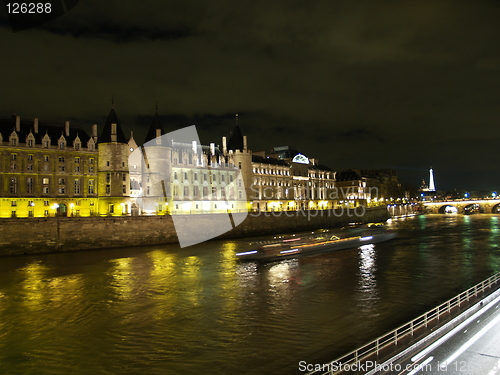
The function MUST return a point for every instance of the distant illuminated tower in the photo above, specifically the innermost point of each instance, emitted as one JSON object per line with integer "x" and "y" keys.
{"x": 431, "y": 180}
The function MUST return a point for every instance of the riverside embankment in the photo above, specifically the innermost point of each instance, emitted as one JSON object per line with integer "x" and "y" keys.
{"x": 41, "y": 235}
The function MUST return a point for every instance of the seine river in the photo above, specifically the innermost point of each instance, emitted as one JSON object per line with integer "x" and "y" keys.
{"x": 165, "y": 310}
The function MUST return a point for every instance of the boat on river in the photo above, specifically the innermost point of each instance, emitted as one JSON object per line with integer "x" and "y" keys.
{"x": 323, "y": 241}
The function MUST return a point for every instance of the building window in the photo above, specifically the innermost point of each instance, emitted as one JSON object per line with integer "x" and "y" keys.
{"x": 30, "y": 142}
{"x": 45, "y": 203}
{"x": 91, "y": 169}
{"x": 77, "y": 186}
{"x": 13, "y": 186}
{"x": 13, "y": 156}
{"x": 13, "y": 203}
{"x": 111, "y": 209}
{"x": 124, "y": 177}
{"x": 61, "y": 190}
{"x": 107, "y": 163}
{"x": 45, "y": 144}
{"x": 45, "y": 157}
{"x": 196, "y": 176}
{"x": 185, "y": 176}
{"x": 30, "y": 167}
{"x": 61, "y": 159}
{"x": 175, "y": 175}
{"x": 29, "y": 185}
{"x": 62, "y": 168}
{"x": 77, "y": 168}
{"x": 45, "y": 190}
{"x": 108, "y": 177}
{"x": 77, "y": 145}
{"x": 62, "y": 145}
{"x": 45, "y": 212}
{"x": 186, "y": 191}
{"x": 13, "y": 166}
{"x": 196, "y": 191}
{"x": 205, "y": 191}
{"x": 45, "y": 181}
{"x": 30, "y": 157}
{"x": 77, "y": 160}
{"x": 124, "y": 189}
{"x": 222, "y": 177}
{"x": 91, "y": 186}
{"x": 108, "y": 189}
{"x": 91, "y": 160}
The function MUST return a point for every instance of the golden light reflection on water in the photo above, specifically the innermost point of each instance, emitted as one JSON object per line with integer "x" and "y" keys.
{"x": 163, "y": 283}
{"x": 122, "y": 280}
{"x": 282, "y": 278}
{"x": 34, "y": 284}
{"x": 191, "y": 278}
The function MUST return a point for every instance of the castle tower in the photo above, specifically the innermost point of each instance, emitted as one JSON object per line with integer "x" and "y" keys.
{"x": 237, "y": 150}
{"x": 113, "y": 172}
{"x": 156, "y": 170}
{"x": 431, "y": 180}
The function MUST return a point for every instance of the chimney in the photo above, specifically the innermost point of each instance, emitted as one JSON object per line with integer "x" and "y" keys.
{"x": 35, "y": 125}
{"x": 18, "y": 124}
{"x": 94, "y": 132}
{"x": 224, "y": 145}
{"x": 244, "y": 142}
{"x": 212, "y": 148}
{"x": 66, "y": 128}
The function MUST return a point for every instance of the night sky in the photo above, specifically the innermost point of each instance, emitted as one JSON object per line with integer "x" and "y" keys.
{"x": 357, "y": 84}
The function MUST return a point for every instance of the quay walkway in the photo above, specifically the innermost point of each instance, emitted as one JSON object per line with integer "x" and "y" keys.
{"x": 459, "y": 336}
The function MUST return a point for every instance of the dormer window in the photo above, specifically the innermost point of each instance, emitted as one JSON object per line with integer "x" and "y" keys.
{"x": 14, "y": 139}
{"x": 91, "y": 145}
{"x": 46, "y": 141}
{"x": 62, "y": 142}
{"x": 77, "y": 143}
{"x": 30, "y": 140}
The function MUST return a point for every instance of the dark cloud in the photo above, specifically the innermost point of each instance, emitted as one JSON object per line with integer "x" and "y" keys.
{"x": 356, "y": 84}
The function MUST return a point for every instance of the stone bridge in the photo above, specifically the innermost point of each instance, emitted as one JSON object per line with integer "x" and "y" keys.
{"x": 463, "y": 206}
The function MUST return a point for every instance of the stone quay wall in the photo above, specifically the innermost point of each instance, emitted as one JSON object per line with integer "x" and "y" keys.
{"x": 44, "y": 235}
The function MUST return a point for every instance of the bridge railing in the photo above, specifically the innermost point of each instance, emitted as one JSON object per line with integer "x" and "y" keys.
{"x": 394, "y": 336}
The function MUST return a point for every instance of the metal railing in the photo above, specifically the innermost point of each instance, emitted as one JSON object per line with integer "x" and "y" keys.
{"x": 394, "y": 336}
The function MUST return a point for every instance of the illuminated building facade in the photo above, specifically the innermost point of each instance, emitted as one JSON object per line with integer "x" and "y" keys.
{"x": 49, "y": 169}
{"x": 287, "y": 180}
{"x": 171, "y": 177}
{"x": 369, "y": 187}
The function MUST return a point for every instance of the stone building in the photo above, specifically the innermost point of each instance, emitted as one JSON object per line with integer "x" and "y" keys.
{"x": 49, "y": 169}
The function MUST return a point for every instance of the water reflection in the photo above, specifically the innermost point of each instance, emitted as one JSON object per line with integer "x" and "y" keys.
{"x": 188, "y": 311}
{"x": 367, "y": 280}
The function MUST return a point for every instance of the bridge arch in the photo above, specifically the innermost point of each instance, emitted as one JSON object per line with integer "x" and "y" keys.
{"x": 448, "y": 209}
{"x": 495, "y": 209}
{"x": 473, "y": 208}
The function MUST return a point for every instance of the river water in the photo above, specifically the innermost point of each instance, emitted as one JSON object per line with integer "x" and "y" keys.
{"x": 166, "y": 310}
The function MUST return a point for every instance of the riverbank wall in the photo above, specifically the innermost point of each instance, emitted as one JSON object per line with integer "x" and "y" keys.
{"x": 44, "y": 235}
